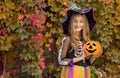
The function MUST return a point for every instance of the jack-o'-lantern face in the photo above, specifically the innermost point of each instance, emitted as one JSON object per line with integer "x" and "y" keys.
{"x": 92, "y": 48}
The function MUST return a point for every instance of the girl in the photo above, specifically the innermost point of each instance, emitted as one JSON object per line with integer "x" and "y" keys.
{"x": 77, "y": 26}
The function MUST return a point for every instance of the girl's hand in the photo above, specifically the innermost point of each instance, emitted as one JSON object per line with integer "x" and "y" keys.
{"x": 82, "y": 57}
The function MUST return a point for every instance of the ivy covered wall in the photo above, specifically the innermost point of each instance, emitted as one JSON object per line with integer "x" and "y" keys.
{"x": 30, "y": 36}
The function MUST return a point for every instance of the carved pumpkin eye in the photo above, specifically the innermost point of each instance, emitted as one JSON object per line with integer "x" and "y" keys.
{"x": 92, "y": 48}
{"x": 94, "y": 44}
{"x": 88, "y": 44}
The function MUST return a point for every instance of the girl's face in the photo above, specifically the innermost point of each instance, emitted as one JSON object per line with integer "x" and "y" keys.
{"x": 77, "y": 23}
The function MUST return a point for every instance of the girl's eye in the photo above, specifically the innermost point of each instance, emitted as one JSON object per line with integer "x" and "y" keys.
{"x": 75, "y": 21}
{"x": 81, "y": 21}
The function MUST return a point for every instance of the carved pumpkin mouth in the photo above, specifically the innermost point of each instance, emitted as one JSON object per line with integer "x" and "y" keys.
{"x": 91, "y": 51}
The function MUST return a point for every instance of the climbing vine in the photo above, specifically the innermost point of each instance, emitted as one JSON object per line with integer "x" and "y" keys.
{"x": 30, "y": 36}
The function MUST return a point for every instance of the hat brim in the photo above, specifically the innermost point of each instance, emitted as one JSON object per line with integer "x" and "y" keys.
{"x": 89, "y": 14}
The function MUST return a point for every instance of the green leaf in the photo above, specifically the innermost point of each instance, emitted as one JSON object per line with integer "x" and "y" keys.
{"x": 6, "y": 47}
{"x": 24, "y": 36}
{"x": 2, "y": 15}
{"x": 9, "y": 4}
{"x": 21, "y": 30}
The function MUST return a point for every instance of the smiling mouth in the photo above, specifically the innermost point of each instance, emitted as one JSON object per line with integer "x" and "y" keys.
{"x": 78, "y": 27}
{"x": 91, "y": 51}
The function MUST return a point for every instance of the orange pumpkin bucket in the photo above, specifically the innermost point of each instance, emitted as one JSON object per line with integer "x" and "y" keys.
{"x": 92, "y": 48}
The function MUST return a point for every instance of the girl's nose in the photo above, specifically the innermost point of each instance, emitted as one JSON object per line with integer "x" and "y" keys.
{"x": 78, "y": 23}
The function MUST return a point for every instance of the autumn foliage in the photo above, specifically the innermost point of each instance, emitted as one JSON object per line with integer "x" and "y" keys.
{"x": 30, "y": 36}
